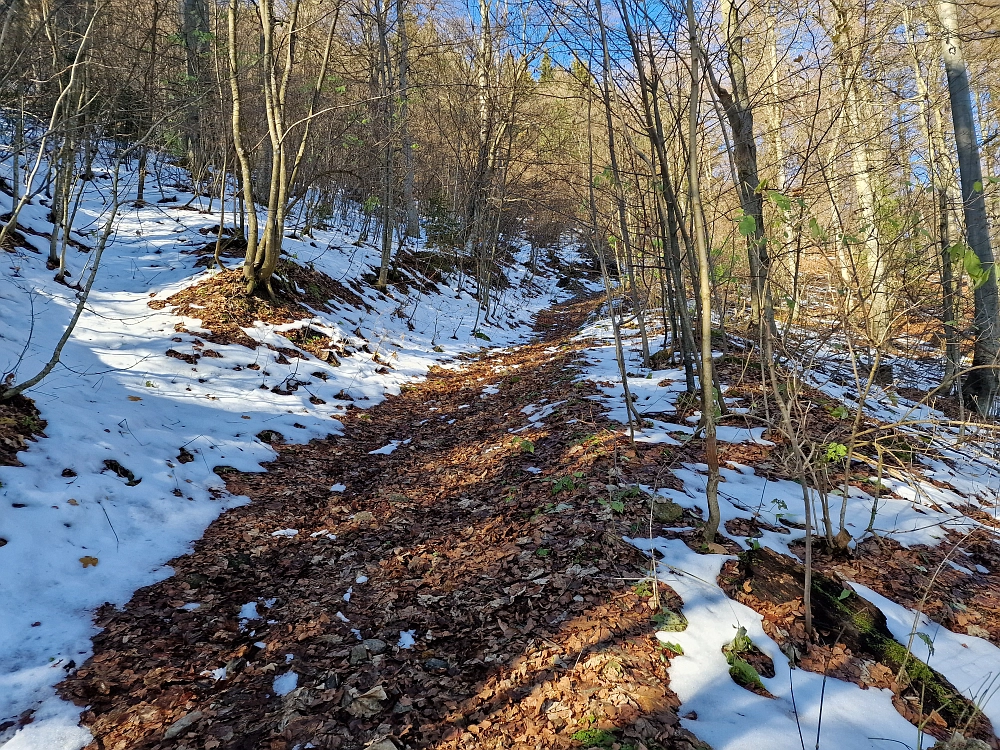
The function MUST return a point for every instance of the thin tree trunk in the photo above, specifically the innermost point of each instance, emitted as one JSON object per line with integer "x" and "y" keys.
{"x": 409, "y": 202}
{"x": 740, "y": 116}
{"x": 242, "y": 156}
{"x": 704, "y": 290}
{"x": 981, "y": 385}
{"x": 619, "y": 187}
{"x": 943, "y": 180}
{"x": 874, "y": 276}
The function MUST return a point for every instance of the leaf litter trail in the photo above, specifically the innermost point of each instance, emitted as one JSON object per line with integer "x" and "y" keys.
{"x": 450, "y": 572}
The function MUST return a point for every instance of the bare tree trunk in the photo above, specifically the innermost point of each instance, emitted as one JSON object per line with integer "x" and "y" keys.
{"x": 874, "y": 267}
{"x": 387, "y": 93}
{"x": 242, "y": 156}
{"x": 781, "y": 258}
{"x": 409, "y": 202}
{"x": 740, "y": 116}
{"x": 195, "y": 33}
{"x": 663, "y": 198}
{"x": 704, "y": 290}
{"x": 981, "y": 385}
{"x": 619, "y": 187}
{"x": 634, "y": 419}
{"x": 942, "y": 174}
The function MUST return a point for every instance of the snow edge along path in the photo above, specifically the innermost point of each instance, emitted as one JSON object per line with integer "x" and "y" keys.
{"x": 78, "y": 535}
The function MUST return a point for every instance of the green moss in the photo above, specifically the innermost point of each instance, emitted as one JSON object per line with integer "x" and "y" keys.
{"x": 594, "y": 737}
{"x": 862, "y": 619}
{"x": 918, "y": 674}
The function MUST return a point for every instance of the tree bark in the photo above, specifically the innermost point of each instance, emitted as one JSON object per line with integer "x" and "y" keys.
{"x": 740, "y": 116}
{"x": 704, "y": 290}
{"x": 409, "y": 202}
{"x": 981, "y": 384}
{"x": 242, "y": 155}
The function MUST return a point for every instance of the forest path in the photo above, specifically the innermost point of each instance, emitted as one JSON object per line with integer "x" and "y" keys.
{"x": 473, "y": 543}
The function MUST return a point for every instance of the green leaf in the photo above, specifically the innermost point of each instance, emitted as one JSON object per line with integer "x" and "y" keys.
{"x": 835, "y": 452}
{"x": 780, "y": 200}
{"x": 975, "y": 269}
{"x": 672, "y": 647}
{"x": 747, "y": 225}
{"x": 526, "y": 446}
{"x": 817, "y": 231}
{"x": 977, "y": 186}
{"x": 844, "y": 594}
{"x": 928, "y": 642}
{"x": 744, "y": 674}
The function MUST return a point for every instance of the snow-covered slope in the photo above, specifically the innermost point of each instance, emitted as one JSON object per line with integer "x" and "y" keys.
{"x": 917, "y": 508}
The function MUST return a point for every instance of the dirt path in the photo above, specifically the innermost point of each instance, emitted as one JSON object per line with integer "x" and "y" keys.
{"x": 499, "y": 552}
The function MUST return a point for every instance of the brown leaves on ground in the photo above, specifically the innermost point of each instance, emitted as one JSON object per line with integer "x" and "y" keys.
{"x": 19, "y": 423}
{"x": 529, "y": 624}
{"x": 223, "y": 306}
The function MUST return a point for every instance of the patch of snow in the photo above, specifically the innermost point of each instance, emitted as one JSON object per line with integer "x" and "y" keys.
{"x": 407, "y": 638}
{"x": 285, "y": 532}
{"x": 385, "y": 450}
{"x": 249, "y": 611}
{"x": 285, "y": 683}
{"x": 732, "y": 718}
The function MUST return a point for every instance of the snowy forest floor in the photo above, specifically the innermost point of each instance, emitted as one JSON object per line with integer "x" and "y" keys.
{"x": 454, "y": 571}
{"x": 445, "y": 594}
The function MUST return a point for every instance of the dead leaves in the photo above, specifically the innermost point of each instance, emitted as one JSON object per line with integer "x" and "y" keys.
{"x": 364, "y": 705}
{"x": 88, "y": 561}
{"x": 115, "y": 466}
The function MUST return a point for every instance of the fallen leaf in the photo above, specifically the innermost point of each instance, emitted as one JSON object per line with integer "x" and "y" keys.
{"x": 87, "y": 561}
{"x": 134, "y": 398}
{"x": 367, "y": 704}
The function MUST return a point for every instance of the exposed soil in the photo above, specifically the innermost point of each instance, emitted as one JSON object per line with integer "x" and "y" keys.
{"x": 532, "y": 622}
